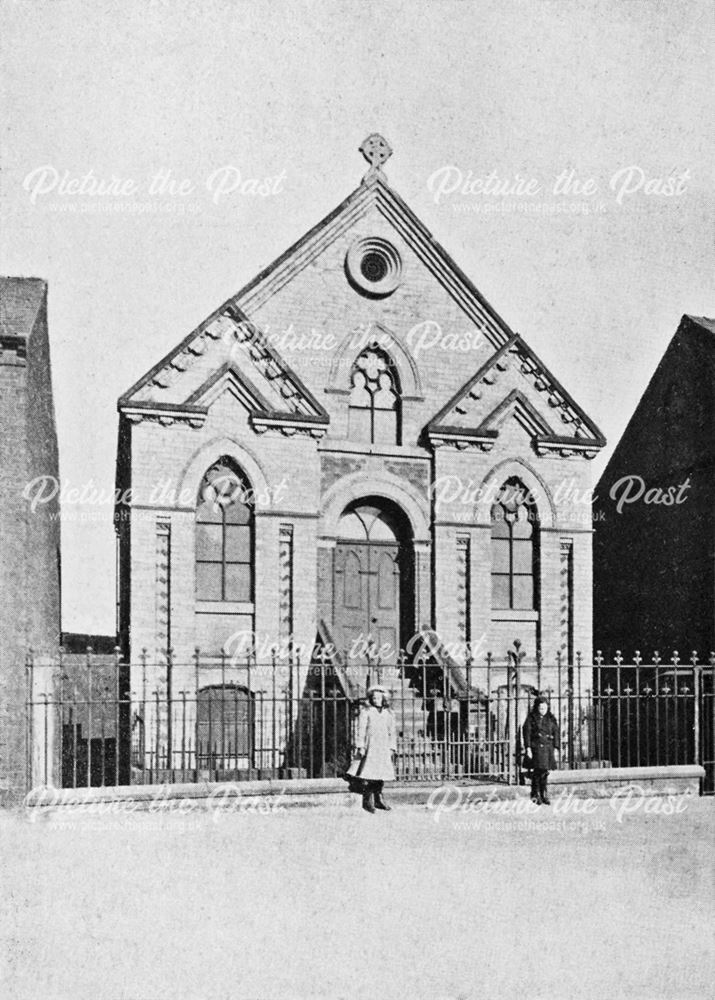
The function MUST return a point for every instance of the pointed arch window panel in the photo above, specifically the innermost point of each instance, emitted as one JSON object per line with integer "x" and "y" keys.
{"x": 224, "y": 535}
{"x": 515, "y": 547}
{"x": 374, "y": 404}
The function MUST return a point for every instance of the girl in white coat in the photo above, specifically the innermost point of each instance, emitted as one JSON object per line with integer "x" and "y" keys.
{"x": 375, "y": 748}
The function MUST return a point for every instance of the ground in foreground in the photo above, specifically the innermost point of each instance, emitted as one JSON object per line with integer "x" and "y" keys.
{"x": 332, "y": 902}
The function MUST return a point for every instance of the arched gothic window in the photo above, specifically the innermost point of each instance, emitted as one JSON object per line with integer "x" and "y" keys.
{"x": 374, "y": 405}
{"x": 224, "y": 535}
{"x": 515, "y": 543}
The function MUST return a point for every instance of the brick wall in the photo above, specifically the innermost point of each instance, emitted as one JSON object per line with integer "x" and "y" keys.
{"x": 29, "y": 541}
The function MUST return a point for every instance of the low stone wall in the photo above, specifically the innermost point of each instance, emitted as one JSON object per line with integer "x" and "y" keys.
{"x": 603, "y": 781}
{"x": 270, "y": 796}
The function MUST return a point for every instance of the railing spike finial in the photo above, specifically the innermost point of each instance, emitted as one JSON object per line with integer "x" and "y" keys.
{"x": 694, "y": 657}
{"x": 516, "y": 655}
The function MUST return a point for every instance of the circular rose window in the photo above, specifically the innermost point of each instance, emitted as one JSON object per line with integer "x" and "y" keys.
{"x": 374, "y": 266}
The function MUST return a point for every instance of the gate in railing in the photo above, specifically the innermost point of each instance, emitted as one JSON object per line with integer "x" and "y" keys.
{"x": 97, "y": 721}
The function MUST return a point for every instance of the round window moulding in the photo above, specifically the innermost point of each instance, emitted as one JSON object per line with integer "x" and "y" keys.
{"x": 374, "y": 267}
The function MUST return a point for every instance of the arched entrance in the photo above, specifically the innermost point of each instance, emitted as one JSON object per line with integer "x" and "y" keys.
{"x": 373, "y": 597}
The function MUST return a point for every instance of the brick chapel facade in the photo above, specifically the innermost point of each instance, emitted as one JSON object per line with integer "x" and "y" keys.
{"x": 354, "y": 447}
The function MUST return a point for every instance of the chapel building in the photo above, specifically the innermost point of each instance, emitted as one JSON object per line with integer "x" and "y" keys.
{"x": 354, "y": 450}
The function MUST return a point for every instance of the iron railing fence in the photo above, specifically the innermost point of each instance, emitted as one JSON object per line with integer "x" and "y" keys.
{"x": 94, "y": 721}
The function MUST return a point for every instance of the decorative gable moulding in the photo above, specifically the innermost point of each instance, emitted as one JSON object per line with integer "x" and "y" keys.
{"x": 295, "y": 412}
{"x": 467, "y": 421}
{"x": 164, "y": 414}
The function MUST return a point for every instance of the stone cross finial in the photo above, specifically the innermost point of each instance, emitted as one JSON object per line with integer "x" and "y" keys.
{"x": 376, "y": 151}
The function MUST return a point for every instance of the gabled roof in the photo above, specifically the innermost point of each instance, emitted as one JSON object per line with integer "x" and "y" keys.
{"x": 20, "y": 302}
{"x": 376, "y": 192}
{"x": 229, "y": 374}
{"x": 297, "y": 403}
{"x": 373, "y": 192}
{"x": 452, "y": 423}
{"x": 262, "y": 415}
{"x": 516, "y": 402}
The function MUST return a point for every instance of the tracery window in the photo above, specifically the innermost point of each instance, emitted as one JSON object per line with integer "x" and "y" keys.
{"x": 224, "y": 535}
{"x": 515, "y": 544}
{"x": 374, "y": 404}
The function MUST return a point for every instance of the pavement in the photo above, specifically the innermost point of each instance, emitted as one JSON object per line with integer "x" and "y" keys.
{"x": 584, "y": 899}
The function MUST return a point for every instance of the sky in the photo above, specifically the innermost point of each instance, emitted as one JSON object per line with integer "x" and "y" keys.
{"x": 155, "y": 156}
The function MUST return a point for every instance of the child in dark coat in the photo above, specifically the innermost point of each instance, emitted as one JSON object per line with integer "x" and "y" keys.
{"x": 542, "y": 741}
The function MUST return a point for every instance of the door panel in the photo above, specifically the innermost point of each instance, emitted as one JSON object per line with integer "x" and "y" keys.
{"x": 366, "y": 590}
{"x": 384, "y": 599}
{"x": 350, "y": 592}
{"x": 386, "y": 578}
{"x": 353, "y": 589}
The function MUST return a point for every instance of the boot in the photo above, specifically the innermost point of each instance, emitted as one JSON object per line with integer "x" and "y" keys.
{"x": 379, "y": 801}
{"x": 544, "y": 796}
{"x": 535, "y": 794}
{"x": 367, "y": 798}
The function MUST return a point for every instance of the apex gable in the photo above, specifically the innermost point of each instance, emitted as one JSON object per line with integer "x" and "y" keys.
{"x": 371, "y": 264}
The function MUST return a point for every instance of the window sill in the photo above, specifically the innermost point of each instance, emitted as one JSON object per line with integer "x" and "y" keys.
{"x": 516, "y": 615}
{"x": 224, "y": 607}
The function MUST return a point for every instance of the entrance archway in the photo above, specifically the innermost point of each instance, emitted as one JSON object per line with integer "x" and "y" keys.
{"x": 373, "y": 587}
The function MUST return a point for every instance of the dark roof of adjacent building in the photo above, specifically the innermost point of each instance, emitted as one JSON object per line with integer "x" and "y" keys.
{"x": 20, "y": 301}
{"x": 703, "y": 321}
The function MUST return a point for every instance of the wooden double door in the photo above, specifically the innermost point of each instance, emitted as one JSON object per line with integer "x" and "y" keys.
{"x": 370, "y": 583}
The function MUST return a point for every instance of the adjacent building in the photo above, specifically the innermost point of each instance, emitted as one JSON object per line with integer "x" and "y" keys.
{"x": 654, "y": 557}
{"x": 29, "y": 533}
